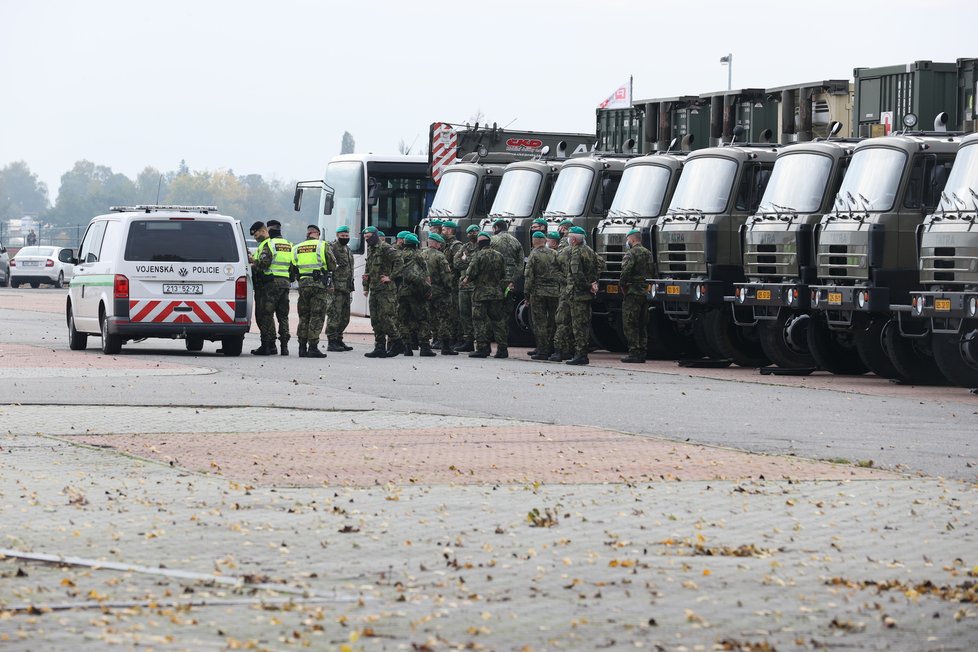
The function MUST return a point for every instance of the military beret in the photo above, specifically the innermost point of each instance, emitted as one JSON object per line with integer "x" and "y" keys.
{"x": 436, "y": 237}
{"x": 450, "y": 224}
{"x": 272, "y": 223}
{"x": 435, "y": 222}
{"x": 553, "y": 235}
{"x": 313, "y": 227}
{"x": 471, "y": 228}
{"x": 483, "y": 234}
{"x": 634, "y": 232}
{"x": 412, "y": 239}
{"x": 403, "y": 234}
{"x": 500, "y": 220}
{"x": 539, "y": 220}
{"x": 566, "y": 223}
{"x": 370, "y": 229}
{"x": 256, "y": 226}
{"x": 539, "y": 234}
{"x": 343, "y": 229}
{"x": 578, "y": 230}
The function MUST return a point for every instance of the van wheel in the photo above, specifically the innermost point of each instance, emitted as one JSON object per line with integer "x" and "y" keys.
{"x": 833, "y": 351}
{"x": 737, "y": 343}
{"x": 111, "y": 344}
{"x": 14, "y": 284}
{"x": 76, "y": 341}
{"x": 872, "y": 348}
{"x": 194, "y": 343}
{"x": 785, "y": 340}
{"x": 60, "y": 283}
{"x": 951, "y": 361}
{"x": 913, "y": 358}
{"x": 231, "y": 346}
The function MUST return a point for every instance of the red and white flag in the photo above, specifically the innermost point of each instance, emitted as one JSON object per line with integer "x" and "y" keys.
{"x": 444, "y": 149}
{"x": 620, "y": 99}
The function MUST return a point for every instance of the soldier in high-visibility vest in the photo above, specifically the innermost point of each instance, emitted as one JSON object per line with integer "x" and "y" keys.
{"x": 311, "y": 258}
{"x": 274, "y": 260}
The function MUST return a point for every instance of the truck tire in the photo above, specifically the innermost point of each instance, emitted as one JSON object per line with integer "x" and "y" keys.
{"x": 737, "y": 343}
{"x": 231, "y": 346}
{"x": 913, "y": 358}
{"x": 606, "y": 331}
{"x": 111, "y": 344}
{"x": 833, "y": 352}
{"x": 872, "y": 348}
{"x": 703, "y": 340}
{"x": 784, "y": 351}
{"x": 667, "y": 341}
{"x": 76, "y": 341}
{"x": 951, "y": 360}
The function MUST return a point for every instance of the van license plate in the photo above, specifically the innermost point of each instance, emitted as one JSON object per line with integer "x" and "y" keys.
{"x": 835, "y": 298}
{"x": 611, "y": 289}
{"x": 763, "y": 295}
{"x": 184, "y": 288}
{"x": 942, "y": 305}
{"x": 672, "y": 289}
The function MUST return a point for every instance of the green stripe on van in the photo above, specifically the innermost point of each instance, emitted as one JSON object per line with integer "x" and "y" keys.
{"x": 95, "y": 279}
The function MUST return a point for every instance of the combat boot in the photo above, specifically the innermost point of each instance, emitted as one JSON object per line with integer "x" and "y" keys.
{"x": 465, "y": 346}
{"x": 343, "y": 345}
{"x": 436, "y": 344}
{"x": 633, "y": 358}
{"x": 314, "y": 351}
{"x": 302, "y": 349}
{"x": 380, "y": 350}
{"x": 567, "y": 355}
{"x": 425, "y": 350}
{"x": 579, "y": 359}
{"x": 447, "y": 349}
{"x": 397, "y": 347}
{"x": 501, "y": 352}
{"x": 413, "y": 346}
{"x": 334, "y": 345}
{"x": 262, "y": 350}
{"x": 531, "y": 352}
{"x": 557, "y": 356}
{"x": 285, "y": 346}
{"x": 480, "y": 353}
{"x": 541, "y": 354}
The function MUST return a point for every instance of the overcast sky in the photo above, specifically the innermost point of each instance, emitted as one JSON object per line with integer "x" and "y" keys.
{"x": 270, "y": 87}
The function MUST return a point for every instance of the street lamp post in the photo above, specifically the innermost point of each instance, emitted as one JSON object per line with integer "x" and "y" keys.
{"x": 728, "y": 62}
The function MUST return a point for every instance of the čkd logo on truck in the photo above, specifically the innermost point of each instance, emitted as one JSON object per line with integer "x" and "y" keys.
{"x": 524, "y": 143}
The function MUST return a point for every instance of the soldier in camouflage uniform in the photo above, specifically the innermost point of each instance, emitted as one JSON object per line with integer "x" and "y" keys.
{"x": 582, "y": 279}
{"x": 274, "y": 261}
{"x": 414, "y": 296}
{"x": 440, "y": 309}
{"x": 563, "y": 342}
{"x": 452, "y": 247}
{"x": 338, "y": 301}
{"x": 311, "y": 259}
{"x": 378, "y": 286}
{"x": 505, "y": 243}
{"x": 463, "y": 256}
{"x": 636, "y": 269}
{"x": 486, "y": 273}
{"x": 542, "y": 290}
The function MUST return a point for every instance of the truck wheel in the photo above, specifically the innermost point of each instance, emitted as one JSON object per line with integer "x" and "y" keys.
{"x": 737, "y": 343}
{"x": 951, "y": 361}
{"x": 872, "y": 348}
{"x": 667, "y": 341}
{"x": 785, "y": 340}
{"x": 76, "y": 341}
{"x": 913, "y": 358}
{"x": 111, "y": 344}
{"x": 231, "y": 346}
{"x": 833, "y": 351}
{"x": 703, "y": 340}
{"x": 194, "y": 343}
{"x": 608, "y": 335}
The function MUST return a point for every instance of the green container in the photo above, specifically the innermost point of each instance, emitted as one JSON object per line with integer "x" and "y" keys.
{"x": 925, "y": 88}
{"x": 617, "y": 126}
{"x": 968, "y": 93}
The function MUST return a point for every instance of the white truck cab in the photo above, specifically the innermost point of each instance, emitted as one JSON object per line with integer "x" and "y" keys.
{"x": 161, "y": 271}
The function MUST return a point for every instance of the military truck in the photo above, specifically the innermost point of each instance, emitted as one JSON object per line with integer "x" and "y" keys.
{"x": 646, "y": 188}
{"x": 698, "y": 248}
{"x": 949, "y": 271}
{"x": 866, "y": 253}
{"x": 779, "y": 256}
{"x": 466, "y": 191}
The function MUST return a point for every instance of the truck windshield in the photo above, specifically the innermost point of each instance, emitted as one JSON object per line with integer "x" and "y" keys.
{"x": 872, "y": 179}
{"x": 346, "y": 179}
{"x": 797, "y": 184}
{"x": 517, "y": 194}
{"x": 570, "y": 192}
{"x": 454, "y": 195}
{"x": 961, "y": 191}
{"x": 705, "y": 185}
{"x": 640, "y": 194}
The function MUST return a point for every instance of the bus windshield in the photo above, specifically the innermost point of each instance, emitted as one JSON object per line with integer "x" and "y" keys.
{"x": 517, "y": 194}
{"x": 797, "y": 184}
{"x": 454, "y": 194}
{"x": 872, "y": 180}
{"x": 640, "y": 194}
{"x": 346, "y": 179}
{"x": 705, "y": 185}
{"x": 570, "y": 193}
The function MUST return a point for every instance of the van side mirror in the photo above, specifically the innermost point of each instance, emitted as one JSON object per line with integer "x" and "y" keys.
{"x": 297, "y": 199}
{"x": 373, "y": 191}
{"x": 66, "y": 256}
{"x": 328, "y": 204}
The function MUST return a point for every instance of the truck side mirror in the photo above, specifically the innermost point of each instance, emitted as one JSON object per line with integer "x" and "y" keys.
{"x": 328, "y": 204}
{"x": 297, "y": 199}
{"x": 373, "y": 191}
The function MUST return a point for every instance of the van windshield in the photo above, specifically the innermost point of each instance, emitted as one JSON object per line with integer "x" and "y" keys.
{"x": 183, "y": 240}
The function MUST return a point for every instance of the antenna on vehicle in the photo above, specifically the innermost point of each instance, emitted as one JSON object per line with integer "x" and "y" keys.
{"x": 510, "y": 122}
{"x": 159, "y": 187}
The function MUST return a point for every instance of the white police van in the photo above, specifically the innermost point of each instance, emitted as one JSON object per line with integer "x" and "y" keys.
{"x": 161, "y": 271}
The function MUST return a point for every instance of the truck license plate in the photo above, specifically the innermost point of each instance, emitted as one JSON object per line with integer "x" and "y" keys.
{"x": 835, "y": 298}
{"x": 672, "y": 289}
{"x": 763, "y": 295}
{"x": 942, "y": 305}
{"x": 612, "y": 289}
{"x": 183, "y": 288}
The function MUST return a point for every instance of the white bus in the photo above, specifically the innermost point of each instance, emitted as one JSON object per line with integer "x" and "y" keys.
{"x": 392, "y": 193}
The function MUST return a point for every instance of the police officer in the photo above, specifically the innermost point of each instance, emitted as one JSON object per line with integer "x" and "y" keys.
{"x": 338, "y": 297}
{"x": 274, "y": 260}
{"x": 582, "y": 279}
{"x": 636, "y": 268}
{"x": 378, "y": 286}
{"x": 542, "y": 290}
{"x": 464, "y": 256}
{"x": 486, "y": 273}
{"x": 414, "y": 296}
{"x": 442, "y": 288}
{"x": 452, "y": 247}
{"x": 311, "y": 258}
{"x": 259, "y": 232}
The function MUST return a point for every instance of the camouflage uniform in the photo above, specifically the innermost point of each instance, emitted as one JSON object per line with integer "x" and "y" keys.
{"x": 312, "y": 293}
{"x": 338, "y": 301}
{"x": 543, "y": 288}
{"x": 452, "y": 247}
{"x": 582, "y": 272}
{"x": 636, "y": 268}
{"x": 382, "y": 260}
{"x": 463, "y": 257}
{"x": 486, "y": 273}
{"x": 274, "y": 293}
{"x": 562, "y": 335}
{"x": 413, "y": 295}
{"x": 440, "y": 313}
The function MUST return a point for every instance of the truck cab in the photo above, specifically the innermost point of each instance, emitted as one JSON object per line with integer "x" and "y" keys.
{"x": 698, "y": 248}
{"x": 585, "y": 190}
{"x": 466, "y": 191}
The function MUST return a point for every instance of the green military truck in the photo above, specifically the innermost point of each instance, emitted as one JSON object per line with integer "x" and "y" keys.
{"x": 779, "y": 252}
{"x": 866, "y": 253}
{"x": 948, "y": 259}
{"x": 466, "y": 192}
{"x": 646, "y": 188}
{"x": 698, "y": 248}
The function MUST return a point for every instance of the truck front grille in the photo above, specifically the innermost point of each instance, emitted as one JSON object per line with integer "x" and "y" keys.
{"x": 957, "y": 265}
